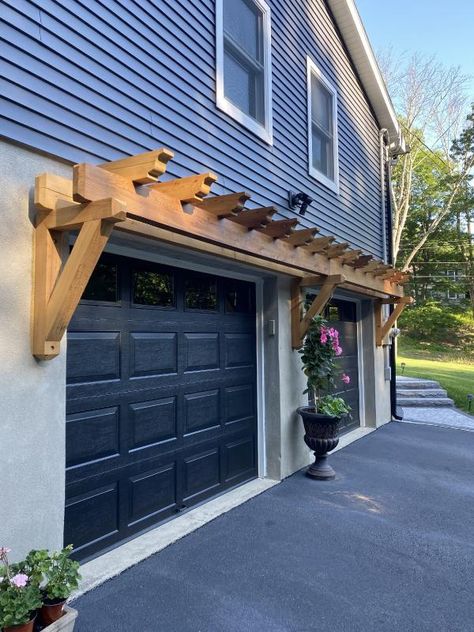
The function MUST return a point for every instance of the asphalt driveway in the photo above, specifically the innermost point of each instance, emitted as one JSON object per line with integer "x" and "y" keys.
{"x": 387, "y": 546}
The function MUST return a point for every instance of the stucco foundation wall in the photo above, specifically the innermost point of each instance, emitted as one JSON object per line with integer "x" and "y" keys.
{"x": 32, "y": 393}
{"x": 285, "y": 383}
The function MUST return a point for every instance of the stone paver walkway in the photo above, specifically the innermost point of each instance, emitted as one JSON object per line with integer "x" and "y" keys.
{"x": 448, "y": 417}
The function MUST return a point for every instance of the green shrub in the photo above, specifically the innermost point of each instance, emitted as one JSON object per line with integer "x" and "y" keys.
{"x": 433, "y": 322}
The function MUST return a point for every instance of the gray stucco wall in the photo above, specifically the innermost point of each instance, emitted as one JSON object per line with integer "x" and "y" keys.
{"x": 285, "y": 383}
{"x": 32, "y": 393}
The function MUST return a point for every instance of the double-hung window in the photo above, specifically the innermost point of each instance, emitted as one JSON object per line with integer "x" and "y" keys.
{"x": 322, "y": 128}
{"x": 243, "y": 73}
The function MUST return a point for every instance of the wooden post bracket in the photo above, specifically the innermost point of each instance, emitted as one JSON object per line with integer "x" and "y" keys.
{"x": 61, "y": 277}
{"x": 382, "y": 328}
{"x": 299, "y": 324}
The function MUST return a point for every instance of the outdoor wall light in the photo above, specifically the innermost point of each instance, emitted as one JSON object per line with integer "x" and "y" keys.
{"x": 394, "y": 332}
{"x": 469, "y": 401}
{"x": 299, "y": 200}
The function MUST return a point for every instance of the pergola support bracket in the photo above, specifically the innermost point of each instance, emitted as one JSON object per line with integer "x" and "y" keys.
{"x": 382, "y": 328}
{"x": 299, "y": 324}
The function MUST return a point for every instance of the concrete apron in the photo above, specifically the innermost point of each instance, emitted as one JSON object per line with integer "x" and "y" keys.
{"x": 125, "y": 556}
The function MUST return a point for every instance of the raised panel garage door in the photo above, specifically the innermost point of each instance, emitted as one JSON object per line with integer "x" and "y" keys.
{"x": 161, "y": 398}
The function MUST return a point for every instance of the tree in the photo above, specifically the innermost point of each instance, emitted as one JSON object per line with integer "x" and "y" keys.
{"x": 431, "y": 101}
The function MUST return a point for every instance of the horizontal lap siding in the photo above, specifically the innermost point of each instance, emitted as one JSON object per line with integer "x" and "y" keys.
{"x": 96, "y": 80}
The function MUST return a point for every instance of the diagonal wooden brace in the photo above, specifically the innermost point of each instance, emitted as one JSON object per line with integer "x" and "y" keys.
{"x": 60, "y": 279}
{"x": 299, "y": 327}
{"x": 383, "y": 328}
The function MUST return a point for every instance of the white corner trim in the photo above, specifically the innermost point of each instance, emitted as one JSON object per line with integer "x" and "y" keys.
{"x": 312, "y": 69}
{"x": 265, "y": 132}
{"x": 114, "y": 562}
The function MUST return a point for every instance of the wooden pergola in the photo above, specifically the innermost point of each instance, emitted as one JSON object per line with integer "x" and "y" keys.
{"x": 126, "y": 195}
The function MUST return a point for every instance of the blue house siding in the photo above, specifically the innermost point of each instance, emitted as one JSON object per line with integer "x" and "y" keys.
{"x": 97, "y": 80}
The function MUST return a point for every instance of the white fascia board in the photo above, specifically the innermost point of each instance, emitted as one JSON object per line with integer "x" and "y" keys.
{"x": 355, "y": 38}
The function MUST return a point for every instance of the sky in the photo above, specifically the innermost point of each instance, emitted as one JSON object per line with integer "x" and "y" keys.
{"x": 433, "y": 27}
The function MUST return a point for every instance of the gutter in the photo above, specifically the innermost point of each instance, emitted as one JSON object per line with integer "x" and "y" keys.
{"x": 395, "y": 411}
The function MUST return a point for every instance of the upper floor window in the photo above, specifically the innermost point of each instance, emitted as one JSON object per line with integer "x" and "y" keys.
{"x": 243, "y": 73}
{"x": 322, "y": 128}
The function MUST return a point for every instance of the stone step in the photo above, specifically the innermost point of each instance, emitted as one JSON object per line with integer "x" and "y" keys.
{"x": 425, "y": 402}
{"x": 427, "y": 392}
{"x": 416, "y": 384}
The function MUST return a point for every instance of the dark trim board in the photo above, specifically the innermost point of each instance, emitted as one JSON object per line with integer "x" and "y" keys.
{"x": 161, "y": 398}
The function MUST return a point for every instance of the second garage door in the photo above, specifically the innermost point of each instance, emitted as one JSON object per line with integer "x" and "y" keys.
{"x": 161, "y": 397}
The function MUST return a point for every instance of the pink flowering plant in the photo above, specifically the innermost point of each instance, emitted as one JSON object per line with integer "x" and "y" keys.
{"x": 319, "y": 353}
{"x": 20, "y": 596}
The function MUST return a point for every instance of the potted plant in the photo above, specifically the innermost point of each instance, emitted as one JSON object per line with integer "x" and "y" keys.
{"x": 58, "y": 576}
{"x": 20, "y": 597}
{"x": 323, "y": 416}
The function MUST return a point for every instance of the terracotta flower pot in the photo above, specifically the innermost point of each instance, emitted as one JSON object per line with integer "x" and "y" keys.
{"x": 24, "y": 627}
{"x": 51, "y": 610}
{"x": 321, "y": 436}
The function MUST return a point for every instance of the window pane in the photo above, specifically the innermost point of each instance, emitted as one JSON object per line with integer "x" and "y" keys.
{"x": 239, "y": 297}
{"x": 238, "y": 84}
{"x": 153, "y": 288}
{"x": 321, "y": 105}
{"x": 201, "y": 293}
{"x": 102, "y": 285}
{"x": 322, "y": 153}
{"x": 243, "y": 22}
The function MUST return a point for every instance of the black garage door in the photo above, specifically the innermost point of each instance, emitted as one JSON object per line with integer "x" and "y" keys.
{"x": 343, "y": 316}
{"x": 161, "y": 398}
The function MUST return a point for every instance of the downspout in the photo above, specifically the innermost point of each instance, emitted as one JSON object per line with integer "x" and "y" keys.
{"x": 388, "y": 241}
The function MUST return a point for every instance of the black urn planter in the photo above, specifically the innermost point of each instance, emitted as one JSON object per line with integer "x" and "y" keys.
{"x": 321, "y": 436}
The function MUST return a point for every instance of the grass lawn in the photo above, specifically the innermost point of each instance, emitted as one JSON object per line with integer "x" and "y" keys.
{"x": 455, "y": 376}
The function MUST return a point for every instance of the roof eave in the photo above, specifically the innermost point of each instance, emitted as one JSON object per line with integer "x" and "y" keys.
{"x": 355, "y": 38}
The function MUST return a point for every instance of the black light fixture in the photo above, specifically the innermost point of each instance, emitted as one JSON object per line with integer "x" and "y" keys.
{"x": 299, "y": 200}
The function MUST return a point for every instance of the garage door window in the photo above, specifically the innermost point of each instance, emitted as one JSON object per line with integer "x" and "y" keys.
{"x": 153, "y": 288}
{"x": 103, "y": 284}
{"x": 201, "y": 293}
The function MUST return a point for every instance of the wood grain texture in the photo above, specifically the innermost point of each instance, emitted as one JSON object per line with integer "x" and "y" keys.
{"x": 141, "y": 168}
{"x": 188, "y": 189}
{"x": 92, "y": 183}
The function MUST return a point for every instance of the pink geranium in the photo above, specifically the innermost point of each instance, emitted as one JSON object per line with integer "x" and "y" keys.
{"x": 345, "y": 378}
{"x": 338, "y": 350}
{"x": 4, "y": 550}
{"x": 20, "y": 580}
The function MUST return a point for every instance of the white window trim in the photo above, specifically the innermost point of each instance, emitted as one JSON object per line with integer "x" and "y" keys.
{"x": 312, "y": 69}
{"x": 265, "y": 132}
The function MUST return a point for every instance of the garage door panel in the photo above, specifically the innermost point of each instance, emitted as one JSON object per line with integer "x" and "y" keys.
{"x": 152, "y": 422}
{"x": 202, "y": 411}
{"x": 153, "y": 354}
{"x": 239, "y": 458}
{"x": 239, "y": 350}
{"x": 103, "y": 426}
{"x": 201, "y": 475}
{"x": 151, "y": 494}
{"x": 102, "y": 351}
{"x": 239, "y": 403}
{"x": 201, "y": 351}
{"x": 92, "y": 516}
{"x": 161, "y": 398}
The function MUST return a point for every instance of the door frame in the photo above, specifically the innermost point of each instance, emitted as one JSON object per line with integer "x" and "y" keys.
{"x": 138, "y": 253}
{"x": 342, "y": 296}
